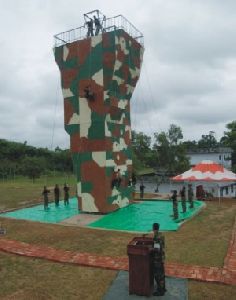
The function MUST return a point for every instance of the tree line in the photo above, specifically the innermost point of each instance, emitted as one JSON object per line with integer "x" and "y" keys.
{"x": 21, "y": 159}
{"x": 167, "y": 151}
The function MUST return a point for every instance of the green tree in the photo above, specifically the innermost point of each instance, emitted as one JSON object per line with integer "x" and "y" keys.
{"x": 13, "y": 157}
{"x": 33, "y": 167}
{"x": 137, "y": 164}
{"x": 208, "y": 141}
{"x": 229, "y": 140}
{"x": 174, "y": 134}
{"x": 62, "y": 160}
{"x": 170, "y": 152}
{"x": 142, "y": 153}
{"x": 162, "y": 148}
{"x": 182, "y": 162}
{"x": 191, "y": 145}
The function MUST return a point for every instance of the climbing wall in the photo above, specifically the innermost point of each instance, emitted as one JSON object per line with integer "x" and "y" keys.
{"x": 99, "y": 129}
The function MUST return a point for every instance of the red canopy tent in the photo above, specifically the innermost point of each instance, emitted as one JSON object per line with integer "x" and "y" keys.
{"x": 206, "y": 171}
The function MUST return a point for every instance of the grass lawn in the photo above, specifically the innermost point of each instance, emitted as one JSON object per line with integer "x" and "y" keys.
{"x": 22, "y": 191}
{"x": 202, "y": 241}
{"x": 210, "y": 291}
{"x": 26, "y": 278}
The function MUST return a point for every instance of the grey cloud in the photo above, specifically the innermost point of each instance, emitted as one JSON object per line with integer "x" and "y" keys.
{"x": 196, "y": 32}
{"x": 175, "y": 84}
{"x": 190, "y": 64}
{"x": 210, "y": 111}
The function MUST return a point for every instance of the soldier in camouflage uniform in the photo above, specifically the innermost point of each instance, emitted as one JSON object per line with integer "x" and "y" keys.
{"x": 190, "y": 196}
{"x": 141, "y": 188}
{"x": 158, "y": 261}
{"x": 56, "y": 195}
{"x": 97, "y": 24}
{"x": 134, "y": 180}
{"x": 118, "y": 178}
{"x": 66, "y": 194}
{"x": 88, "y": 93}
{"x": 45, "y": 197}
{"x": 175, "y": 205}
{"x": 183, "y": 199}
{"x": 90, "y": 27}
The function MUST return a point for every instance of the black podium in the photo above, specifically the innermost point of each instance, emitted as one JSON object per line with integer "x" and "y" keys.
{"x": 141, "y": 278}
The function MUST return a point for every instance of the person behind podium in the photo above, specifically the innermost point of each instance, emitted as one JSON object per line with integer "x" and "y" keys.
{"x": 158, "y": 260}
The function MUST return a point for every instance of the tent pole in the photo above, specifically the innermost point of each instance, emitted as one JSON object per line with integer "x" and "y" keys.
{"x": 218, "y": 192}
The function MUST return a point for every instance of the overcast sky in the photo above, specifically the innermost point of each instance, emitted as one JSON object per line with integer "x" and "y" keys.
{"x": 188, "y": 76}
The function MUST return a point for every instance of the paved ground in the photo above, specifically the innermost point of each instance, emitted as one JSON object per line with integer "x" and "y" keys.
{"x": 81, "y": 219}
{"x": 177, "y": 289}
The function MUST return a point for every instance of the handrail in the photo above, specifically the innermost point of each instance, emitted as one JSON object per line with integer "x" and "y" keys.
{"x": 117, "y": 22}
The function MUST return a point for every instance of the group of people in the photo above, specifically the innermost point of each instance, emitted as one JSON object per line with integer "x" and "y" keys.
{"x": 183, "y": 201}
{"x": 56, "y": 195}
{"x": 117, "y": 179}
{"x": 98, "y": 26}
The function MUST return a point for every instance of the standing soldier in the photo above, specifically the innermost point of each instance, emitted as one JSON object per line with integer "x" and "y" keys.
{"x": 90, "y": 27}
{"x": 56, "y": 195}
{"x": 130, "y": 182}
{"x": 114, "y": 180}
{"x": 175, "y": 205}
{"x": 134, "y": 180}
{"x": 158, "y": 260}
{"x": 190, "y": 196}
{"x": 45, "y": 197}
{"x": 183, "y": 199}
{"x": 118, "y": 177}
{"x": 142, "y": 187}
{"x": 66, "y": 194}
{"x": 98, "y": 25}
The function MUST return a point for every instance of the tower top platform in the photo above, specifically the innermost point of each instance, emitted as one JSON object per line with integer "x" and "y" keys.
{"x": 107, "y": 25}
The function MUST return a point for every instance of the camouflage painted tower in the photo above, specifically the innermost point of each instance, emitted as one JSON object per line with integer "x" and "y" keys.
{"x": 100, "y": 64}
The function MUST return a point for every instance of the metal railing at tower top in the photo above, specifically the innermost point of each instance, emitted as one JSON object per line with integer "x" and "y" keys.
{"x": 108, "y": 24}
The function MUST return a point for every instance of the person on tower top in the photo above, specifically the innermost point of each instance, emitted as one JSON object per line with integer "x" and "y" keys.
{"x": 90, "y": 27}
{"x": 98, "y": 25}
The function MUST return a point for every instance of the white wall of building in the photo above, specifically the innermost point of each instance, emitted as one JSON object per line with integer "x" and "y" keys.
{"x": 213, "y": 188}
{"x": 228, "y": 191}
